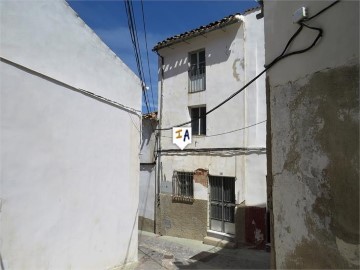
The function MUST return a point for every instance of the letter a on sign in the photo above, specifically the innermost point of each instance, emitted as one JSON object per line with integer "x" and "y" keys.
{"x": 182, "y": 136}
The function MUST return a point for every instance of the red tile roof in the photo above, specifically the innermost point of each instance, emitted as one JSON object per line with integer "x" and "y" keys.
{"x": 203, "y": 29}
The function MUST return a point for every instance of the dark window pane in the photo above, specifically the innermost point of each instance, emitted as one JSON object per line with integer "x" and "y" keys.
{"x": 203, "y": 121}
{"x": 195, "y": 123}
{"x": 201, "y": 68}
{"x": 202, "y": 62}
{"x": 202, "y": 57}
{"x": 193, "y": 59}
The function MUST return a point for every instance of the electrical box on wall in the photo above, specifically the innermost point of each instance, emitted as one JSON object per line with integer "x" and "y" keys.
{"x": 300, "y": 14}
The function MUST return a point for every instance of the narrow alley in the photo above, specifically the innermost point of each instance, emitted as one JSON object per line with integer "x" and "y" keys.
{"x": 166, "y": 252}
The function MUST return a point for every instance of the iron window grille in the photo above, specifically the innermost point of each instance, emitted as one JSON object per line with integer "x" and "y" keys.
{"x": 197, "y": 71}
{"x": 183, "y": 186}
{"x": 198, "y": 118}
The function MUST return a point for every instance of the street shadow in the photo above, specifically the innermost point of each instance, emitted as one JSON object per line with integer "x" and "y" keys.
{"x": 224, "y": 258}
{"x": 169, "y": 254}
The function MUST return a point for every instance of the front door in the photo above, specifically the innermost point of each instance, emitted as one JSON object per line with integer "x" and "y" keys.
{"x": 222, "y": 204}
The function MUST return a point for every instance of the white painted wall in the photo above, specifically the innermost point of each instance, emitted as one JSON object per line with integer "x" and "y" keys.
{"x": 233, "y": 57}
{"x": 69, "y": 162}
{"x": 71, "y": 39}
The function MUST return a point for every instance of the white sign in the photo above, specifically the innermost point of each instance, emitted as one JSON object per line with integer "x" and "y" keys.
{"x": 182, "y": 136}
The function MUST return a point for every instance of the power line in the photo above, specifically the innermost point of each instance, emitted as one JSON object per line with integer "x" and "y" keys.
{"x": 74, "y": 88}
{"x": 147, "y": 52}
{"x": 236, "y": 129}
{"x": 135, "y": 41}
{"x": 227, "y": 132}
{"x": 206, "y": 150}
{"x": 282, "y": 56}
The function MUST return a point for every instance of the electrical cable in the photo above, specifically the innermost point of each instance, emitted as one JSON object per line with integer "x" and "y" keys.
{"x": 74, "y": 88}
{"x": 321, "y": 11}
{"x": 135, "y": 42}
{"x": 272, "y": 63}
{"x": 227, "y": 132}
{"x": 147, "y": 53}
{"x": 204, "y": 150}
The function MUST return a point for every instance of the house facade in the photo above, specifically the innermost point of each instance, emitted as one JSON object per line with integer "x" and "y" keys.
{"x": 216, "y": 186}
{"x": 313, "y": 135}
{"x": 70, "y": 141}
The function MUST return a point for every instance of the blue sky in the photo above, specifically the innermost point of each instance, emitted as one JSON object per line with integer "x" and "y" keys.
{"x": 162, "y": 18}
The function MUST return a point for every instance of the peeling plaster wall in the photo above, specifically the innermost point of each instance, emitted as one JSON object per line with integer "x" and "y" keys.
{"x": 314, "y": 110}
{"x": 69, "y": 162}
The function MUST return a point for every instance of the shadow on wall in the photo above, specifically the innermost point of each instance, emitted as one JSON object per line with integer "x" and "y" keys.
{"x": 146, "y": 224}
{"x": 147, "y": 132}
{"x": 1, "y": 263}
{"x": 131, "y": 236}
{"x": 221, "y": 41}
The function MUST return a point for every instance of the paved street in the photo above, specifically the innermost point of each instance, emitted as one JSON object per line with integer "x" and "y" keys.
{"x": 165, "y": 252}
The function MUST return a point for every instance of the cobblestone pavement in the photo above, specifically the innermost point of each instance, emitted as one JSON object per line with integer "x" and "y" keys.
{"x": 165, "y": 252}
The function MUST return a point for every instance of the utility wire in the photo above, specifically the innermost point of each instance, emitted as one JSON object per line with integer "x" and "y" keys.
{"x": 147, "y": 53}
{"x": 227, "y": 132}
{"x": 135, "y": 41}
{"x": 282, "y": 56}
{"x": 214, "y": 135}
{"x": 74, "y": 88}
{"x": 321, "y": 11}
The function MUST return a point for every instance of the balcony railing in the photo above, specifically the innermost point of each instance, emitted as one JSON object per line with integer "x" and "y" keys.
{"x": 197, "y": 79}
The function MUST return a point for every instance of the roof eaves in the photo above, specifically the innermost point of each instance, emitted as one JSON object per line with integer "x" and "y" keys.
{"x": 204, "y": 29}
{"x": 198, "y": 31}
{"x": 152, "y": 116}
{"x": 251, "y": 10}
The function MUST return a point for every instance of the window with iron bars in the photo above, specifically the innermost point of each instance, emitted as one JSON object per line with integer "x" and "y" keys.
{"x": 183, "y": 186}
{"x": 197, "y": 71}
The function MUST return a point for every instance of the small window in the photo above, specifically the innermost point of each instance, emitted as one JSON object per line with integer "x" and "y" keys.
{"x": 198, "y": 118}
{"x": 197, "y": 71}
{"x": 183, "y": 184}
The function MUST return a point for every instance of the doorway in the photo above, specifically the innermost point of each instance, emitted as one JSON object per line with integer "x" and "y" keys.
{"x": 222, "y": 204}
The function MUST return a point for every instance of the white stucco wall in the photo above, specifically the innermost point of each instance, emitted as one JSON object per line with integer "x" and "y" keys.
{"x": 36, "y": 24}
{"x": 69, "y": 162}
{"x": 233, "y": 57}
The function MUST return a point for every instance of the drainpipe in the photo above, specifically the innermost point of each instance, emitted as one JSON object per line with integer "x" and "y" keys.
{"x": 158, "y": 136}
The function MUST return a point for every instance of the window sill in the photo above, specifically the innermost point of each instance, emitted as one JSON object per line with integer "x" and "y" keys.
{"x": 182, "y": 199}
{"x": 194, "y": 92}
{"x": 199, "y": 136}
